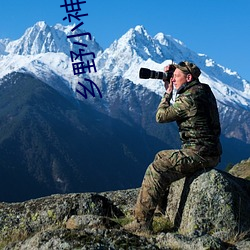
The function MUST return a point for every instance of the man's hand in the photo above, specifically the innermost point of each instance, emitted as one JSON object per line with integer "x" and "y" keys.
{"x": 168, "y": 85}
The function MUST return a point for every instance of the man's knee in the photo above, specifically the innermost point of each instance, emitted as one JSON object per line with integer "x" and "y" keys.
{"x": 162, "y": 160}
{"x": 161, "y": 154}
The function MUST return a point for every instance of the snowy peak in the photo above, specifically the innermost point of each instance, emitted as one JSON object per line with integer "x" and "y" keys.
{"x": 137, "y": 49}
{"x": 137, "y": 46}
{"x": 45, "y": 50}
{"x": 132, "y": 48}
{"x": 42, "y": 38}
{"x": 141, "y": 43}
{"x": 37, "y": 39}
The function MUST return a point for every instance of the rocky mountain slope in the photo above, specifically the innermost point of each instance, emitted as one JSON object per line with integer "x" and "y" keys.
{"x": 207, "y": 211}
{"x": 52, "y": 143}
{"x": 49, "y": 135}
{"x": 45, "y": 52}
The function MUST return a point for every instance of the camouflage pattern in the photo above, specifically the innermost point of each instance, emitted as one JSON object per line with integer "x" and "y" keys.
{"x": 195, "y": 111}
{"x": 168, "y": 166}
{"x": 196, "y": 114}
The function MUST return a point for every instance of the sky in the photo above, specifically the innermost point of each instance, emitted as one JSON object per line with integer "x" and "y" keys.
{"x": 217, "y": 28}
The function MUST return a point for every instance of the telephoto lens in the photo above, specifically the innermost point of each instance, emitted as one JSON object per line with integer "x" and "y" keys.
{"x": 145, "y": 73}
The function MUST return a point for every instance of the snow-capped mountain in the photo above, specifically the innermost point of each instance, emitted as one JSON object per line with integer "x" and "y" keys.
{"x": 44, "y": 51}
{"x": 42, "y": 38}
{"x": 137, "y": 49}
{"x": 50, "y": 139}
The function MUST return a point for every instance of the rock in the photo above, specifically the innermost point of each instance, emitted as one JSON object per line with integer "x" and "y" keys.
{"x": 90, "y": 221}
{"x": 241, "y": 169}
{"x": 63, "y": 239}
{"x": 209, "y": 210}
{"x": 212, "y": 202}
{"x": 243, "y": 245}
{"x": 21, "y": 220}
{"x": 124, "y": 199}
{"x": 178, "y": 241}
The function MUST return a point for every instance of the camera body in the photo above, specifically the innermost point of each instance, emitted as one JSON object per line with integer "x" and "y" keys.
{"x": 146, "y": 73}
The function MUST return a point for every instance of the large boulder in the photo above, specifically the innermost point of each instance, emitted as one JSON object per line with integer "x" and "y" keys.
{"x": 210, "y": 202}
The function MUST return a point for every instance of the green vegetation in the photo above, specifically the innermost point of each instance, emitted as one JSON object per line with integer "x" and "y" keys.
{"x": 160, "y": 223}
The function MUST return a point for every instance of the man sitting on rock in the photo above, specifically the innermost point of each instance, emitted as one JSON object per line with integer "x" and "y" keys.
{"x": 195, "y": 111}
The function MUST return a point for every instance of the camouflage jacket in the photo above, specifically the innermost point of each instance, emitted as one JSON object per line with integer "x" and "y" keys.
{"x": 196, "y": 113}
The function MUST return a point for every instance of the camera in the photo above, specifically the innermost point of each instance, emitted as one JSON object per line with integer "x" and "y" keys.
{"x": 145, "y": 73}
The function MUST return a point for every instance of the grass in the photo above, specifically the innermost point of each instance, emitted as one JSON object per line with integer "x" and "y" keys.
{"x": 160, "y": 223}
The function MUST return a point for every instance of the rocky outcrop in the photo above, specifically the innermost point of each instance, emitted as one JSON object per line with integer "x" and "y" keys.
{"x": 241, "y": 169}
{"x": 209, "y": 210}
{"x": 210, "y": 202}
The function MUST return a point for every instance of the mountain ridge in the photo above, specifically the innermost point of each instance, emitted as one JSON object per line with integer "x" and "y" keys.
{"x": 136, "y": 48}
{"x": 56, "y": 144}
{"x": 152, "y": 51}
{"x": 42, "y": 38}
{"x": 121, "y": 59}
{"x": 121, "y": 125}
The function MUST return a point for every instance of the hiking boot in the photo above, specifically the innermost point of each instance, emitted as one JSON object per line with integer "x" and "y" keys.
{"x": 140, "y": 227}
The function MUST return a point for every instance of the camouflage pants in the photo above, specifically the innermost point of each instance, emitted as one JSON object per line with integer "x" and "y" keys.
{"x": 167, "y": 167}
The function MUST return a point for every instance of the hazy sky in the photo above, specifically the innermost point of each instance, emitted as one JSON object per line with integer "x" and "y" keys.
{"x": 218, "y": 28}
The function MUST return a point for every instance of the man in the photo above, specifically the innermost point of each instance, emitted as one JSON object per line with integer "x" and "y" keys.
{"x": 195, "y": 111}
